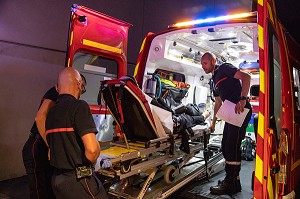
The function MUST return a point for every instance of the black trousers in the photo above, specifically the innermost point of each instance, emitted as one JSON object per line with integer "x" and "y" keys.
{"x": 231, "y": 145}
{"x": 38, "y": 169}
{"x": 67, "y": 186}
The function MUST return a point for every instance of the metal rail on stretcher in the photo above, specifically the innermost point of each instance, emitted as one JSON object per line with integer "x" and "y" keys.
{"x": 144, "y": 163}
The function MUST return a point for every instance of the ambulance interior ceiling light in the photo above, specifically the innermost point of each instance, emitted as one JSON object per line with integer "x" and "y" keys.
{"x": 195, "y": 57}
{"x": 213, "y": 19}
{"x": 189, "y": 53}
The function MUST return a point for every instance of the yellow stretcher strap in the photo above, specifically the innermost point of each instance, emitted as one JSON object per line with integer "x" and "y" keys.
{"x": 169, "y": 82}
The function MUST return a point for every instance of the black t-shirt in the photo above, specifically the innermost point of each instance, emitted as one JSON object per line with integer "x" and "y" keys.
{"x": 225, "y": 85}
{"x": 51, "y": 94}
{"x": 67, "y": 121}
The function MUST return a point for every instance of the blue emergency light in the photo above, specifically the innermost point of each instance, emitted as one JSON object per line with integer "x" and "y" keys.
{"x": 213, "y": 19}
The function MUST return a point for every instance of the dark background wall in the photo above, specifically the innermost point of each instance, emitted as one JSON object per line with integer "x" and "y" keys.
{"x": 33, "y": 37}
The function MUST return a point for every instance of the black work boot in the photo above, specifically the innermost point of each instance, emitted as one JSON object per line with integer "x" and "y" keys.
{"x": 238, "y": 185}
{"x": 230, "y": 186}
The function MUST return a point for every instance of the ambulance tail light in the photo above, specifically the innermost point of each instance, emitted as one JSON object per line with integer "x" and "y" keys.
{"x": 213, "y": 19}
{"x": 282, "y": 157}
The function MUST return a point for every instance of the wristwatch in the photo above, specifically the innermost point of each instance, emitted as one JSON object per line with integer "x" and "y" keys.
{"x": 243, "y": 98}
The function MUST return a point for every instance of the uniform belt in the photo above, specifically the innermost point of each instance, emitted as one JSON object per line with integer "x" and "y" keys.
{"x": 35, "y": 135}
{"x": 80, "y": 172}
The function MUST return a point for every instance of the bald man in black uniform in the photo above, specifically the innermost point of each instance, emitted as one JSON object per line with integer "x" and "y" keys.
{"x": 233, "y": 85}
{"x": 71, "y": 134}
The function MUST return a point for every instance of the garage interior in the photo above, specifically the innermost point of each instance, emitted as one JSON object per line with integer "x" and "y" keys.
{"x": 33, "y": 40}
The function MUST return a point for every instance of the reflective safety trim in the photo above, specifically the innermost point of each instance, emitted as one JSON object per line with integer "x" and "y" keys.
{"x": 71, "y": 38}
{"x": 69, "y": 62}
{"x": 59, "y": 130}
{"x": 259, "y": 169}
{"x": 260, "y": 36}
{"x": 143, "y": 44}
{"x": 259, "y": 164}
{"x": 233, "y": 163}
{"x": 269, "y": 140}
{"x": 271, "y": 162}
{"x": 262, "y": 81}
{"x": 137, "y": 65}
{"x": 261, "y": 125}
{"x": 296, "y": 164}
{"x": 101, "y": 46}
{"x": 273, "y": 157}
{"x": 270, "y": 13}
{"x": 136, "y": 69}
{"x": 270, "y": 185}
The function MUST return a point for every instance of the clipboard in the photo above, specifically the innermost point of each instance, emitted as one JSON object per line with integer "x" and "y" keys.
{"x": 226, "y": 112}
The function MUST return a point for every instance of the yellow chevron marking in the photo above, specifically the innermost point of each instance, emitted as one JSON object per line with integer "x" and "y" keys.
{"x": 270, "y": 185}
{"x": 260, "y": 36}
{"x": 259, "y": 169}
{"x": 270, "y": 13}
{"x": 261, "y": 125}
{"x": 260, "y": 2}
{"x": 136, "y": 69}
{"x": 262, "y": 81}
{"x": 142, "y": 47}
{"x": 101, "y": 46}
{"x": 71, "y": 38}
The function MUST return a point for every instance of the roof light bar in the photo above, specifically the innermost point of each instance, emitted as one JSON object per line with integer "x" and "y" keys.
{"x": 213, "y": 19}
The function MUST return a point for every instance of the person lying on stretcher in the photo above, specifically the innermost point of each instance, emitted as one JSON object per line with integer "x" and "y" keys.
{"x": 188, "y": 116}
{"x": 184, "y": 118}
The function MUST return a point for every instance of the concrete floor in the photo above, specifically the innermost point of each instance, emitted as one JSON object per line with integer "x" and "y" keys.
{"x": 14, "y": 189}
{"x": 18, "y": 188}
{"x": 200, "y": 189}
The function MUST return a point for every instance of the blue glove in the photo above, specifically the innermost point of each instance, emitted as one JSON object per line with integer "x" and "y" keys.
{"x": 103, "y": 162}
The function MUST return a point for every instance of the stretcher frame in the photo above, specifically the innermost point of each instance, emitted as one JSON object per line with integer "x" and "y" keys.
{"x": 150, "y": 157}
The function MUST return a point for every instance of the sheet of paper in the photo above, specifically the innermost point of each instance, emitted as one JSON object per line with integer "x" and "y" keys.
{"x": 226, "y": 113}
{"x": 165, "y": 117}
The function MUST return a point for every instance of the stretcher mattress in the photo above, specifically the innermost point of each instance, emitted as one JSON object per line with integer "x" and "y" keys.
{"x": 130, "y": 109}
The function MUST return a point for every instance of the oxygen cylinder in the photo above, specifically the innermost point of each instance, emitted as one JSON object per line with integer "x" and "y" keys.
{"x": 151, "y": 87}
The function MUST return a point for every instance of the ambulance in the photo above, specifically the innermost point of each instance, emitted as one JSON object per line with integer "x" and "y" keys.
{"x": 97, "y": 47}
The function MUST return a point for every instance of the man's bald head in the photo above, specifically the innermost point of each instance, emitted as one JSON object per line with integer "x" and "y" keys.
{"x": 208, "y": 55}
{"x": 69, "y": 82}
{"x": 208, "y": 62}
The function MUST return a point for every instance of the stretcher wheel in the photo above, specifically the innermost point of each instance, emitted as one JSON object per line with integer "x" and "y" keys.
{"x": 170, "y": 174}
{"x": 125, "y": 168}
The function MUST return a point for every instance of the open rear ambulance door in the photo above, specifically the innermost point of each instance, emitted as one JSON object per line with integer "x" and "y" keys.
{"x": 272, "y": 169}
{"x": 97, "y": 48}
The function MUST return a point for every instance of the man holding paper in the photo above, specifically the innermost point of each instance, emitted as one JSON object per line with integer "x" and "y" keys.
{"x": 232, "y": 85}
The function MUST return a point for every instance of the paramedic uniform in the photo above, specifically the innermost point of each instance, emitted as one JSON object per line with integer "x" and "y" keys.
{"x": 35, "y": 159}
{"x": 229, "y": 88}
{"x": 67, "y": 121}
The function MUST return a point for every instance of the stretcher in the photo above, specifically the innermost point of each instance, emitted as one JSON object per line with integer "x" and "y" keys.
{"x": 147, "y": 151}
